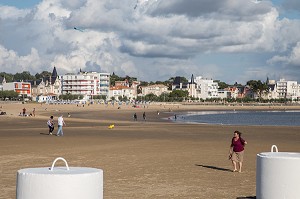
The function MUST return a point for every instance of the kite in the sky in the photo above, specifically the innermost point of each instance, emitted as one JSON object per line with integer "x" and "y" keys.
{"x": 78, "y": 29}
{"x": 136, "y": 4}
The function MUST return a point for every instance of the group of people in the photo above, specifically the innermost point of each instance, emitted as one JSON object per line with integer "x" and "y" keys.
{"x": 135, "y": 116}
{"x": 23, "y": 113}
{"x": 60, "y": 124}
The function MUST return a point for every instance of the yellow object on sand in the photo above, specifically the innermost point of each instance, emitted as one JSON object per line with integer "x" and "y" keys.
{"x": 111, "y": 126}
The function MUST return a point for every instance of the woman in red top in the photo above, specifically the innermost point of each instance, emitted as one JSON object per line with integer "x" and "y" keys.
{"x": 236, "y": 152}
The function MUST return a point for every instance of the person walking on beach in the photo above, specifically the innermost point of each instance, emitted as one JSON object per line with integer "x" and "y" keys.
{"x": 24, "y": 111}
{"x": 33, "y": 112}
{"x": 50, "y": 124}
{"x": 60, "y": 123}
{"x": 134, "y": 117}
{"x": 144, "y": 116}
{"x": 236, "y": 151}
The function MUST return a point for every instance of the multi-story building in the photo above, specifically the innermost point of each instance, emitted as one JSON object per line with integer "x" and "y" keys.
{"x": 156, "y": 89}
{"x": 22, "y": 88}
{"x": 124, "y": 89}
{"x": 87, "y": 84}
{"x": 287, "y": 89}
{"x": 47, "y": 88}
{"x": 272, "y": 90}
{"x": 118, "y": 92}
{"x": 206, "y": 88}
{"x": 197, "y": 87}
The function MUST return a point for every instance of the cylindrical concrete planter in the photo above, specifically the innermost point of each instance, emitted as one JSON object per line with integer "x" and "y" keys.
{"x": 60, "y": 183}
{"x": 278, "y": 175}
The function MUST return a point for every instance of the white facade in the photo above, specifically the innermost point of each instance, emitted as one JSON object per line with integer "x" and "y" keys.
{"x": 206, "y": 88}
{"x": 287, "y": 89}
{"x": 223, "y": 94}
{"x": 86, "y": 84}
{"x": 122, "y": 91}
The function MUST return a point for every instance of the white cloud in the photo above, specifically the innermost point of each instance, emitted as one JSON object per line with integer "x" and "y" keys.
{"x": 11, "y": 61}
{"x": 163, "y": 38}
{"x": 292, "y": 59}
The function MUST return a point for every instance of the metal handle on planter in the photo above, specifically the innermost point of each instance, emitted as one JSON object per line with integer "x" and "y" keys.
{"x": 59, "y": 158}
{"x": 272, "y": 148}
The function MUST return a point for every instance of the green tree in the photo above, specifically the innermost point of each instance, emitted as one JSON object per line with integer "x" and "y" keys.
{"x": 25, "y": 75}
{"x": 43, "y": 75}
{"x": 258, "y": 87}
{"x": 8, "y": 94}
{"x": 8, "y": 77}
{"x": 221, "y": 85}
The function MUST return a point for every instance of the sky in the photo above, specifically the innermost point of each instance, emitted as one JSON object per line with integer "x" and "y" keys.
{"x": 153, "y": 40}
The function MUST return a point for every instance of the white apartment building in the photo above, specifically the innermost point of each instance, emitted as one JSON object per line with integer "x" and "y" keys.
{"x": 87, "y": 84}
{"x": 206, "y": 88}
{"x": 287, "y": 89}
{"x": 156, "y": 89}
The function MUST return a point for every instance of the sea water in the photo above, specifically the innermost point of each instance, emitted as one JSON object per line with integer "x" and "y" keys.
{"x": 249, "y": 118}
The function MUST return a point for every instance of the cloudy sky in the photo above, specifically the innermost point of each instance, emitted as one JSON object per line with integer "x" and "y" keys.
{"x": 229, "y": 40}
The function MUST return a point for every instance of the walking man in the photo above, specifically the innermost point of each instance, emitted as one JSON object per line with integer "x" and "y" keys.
{"x": 60, "y": 123}
{"x": 135, "y": 117}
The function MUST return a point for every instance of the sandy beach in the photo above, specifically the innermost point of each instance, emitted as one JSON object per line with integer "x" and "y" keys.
{"x": 156, "y": 158}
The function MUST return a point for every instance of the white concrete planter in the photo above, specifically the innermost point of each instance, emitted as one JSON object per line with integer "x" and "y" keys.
{"x": 278, "y": 175}
{"x": 60, "y": 183}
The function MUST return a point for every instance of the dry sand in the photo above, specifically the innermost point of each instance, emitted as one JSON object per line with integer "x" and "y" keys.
{"x": 152, "y": 159}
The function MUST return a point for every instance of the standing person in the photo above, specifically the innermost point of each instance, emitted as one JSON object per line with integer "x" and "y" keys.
{"x": 144, "y": 116}
{"x": 60, "y": 123}
{"x": 175, "y": 117}
{"x": 134, "y": 117}
{"x": 236, "y": 151}
{"x": 24, "y": 111}
{"x": 50, "y": 124}
{"x": 33, "y": 112}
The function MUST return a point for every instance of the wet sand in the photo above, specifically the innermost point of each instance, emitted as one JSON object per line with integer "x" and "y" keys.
{"x": 153, "y": 159}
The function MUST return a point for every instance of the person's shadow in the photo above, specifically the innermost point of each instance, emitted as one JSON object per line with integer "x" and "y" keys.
{"x": 213, "y": 167}
{"x": 227, "y": 170}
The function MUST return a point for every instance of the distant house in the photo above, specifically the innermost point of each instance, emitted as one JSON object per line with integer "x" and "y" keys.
{"x": 22, "y": 88}
{"x": 121, "y": 91}
{"x": 47, "y": 88}
{"x": 156, "y": 89}
{"x": 2, "y": 81}
{"x": 178, "y": 84}
{"x": 124, "y": 89}
{"x": 271, "y": 94}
